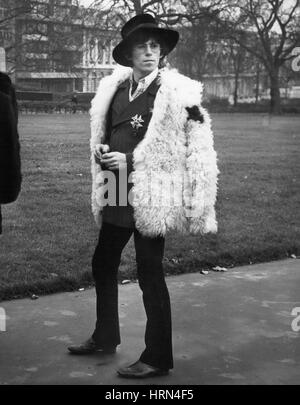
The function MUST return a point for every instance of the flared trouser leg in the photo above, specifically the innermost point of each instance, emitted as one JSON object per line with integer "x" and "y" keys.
{"x": 105, "y": 264}
{"x": 158, "y": 334}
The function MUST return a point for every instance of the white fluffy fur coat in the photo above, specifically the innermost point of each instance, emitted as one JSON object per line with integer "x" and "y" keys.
{"x": 173, "y": 148}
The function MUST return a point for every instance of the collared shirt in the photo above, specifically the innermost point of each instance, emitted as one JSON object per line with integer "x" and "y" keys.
{"x": 143, "y": 84}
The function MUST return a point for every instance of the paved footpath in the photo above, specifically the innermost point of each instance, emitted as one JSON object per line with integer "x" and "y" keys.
{"x": 228, "y": 328}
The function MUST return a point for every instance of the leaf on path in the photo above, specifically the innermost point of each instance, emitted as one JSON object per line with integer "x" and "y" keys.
{"x": 218, "y": 268}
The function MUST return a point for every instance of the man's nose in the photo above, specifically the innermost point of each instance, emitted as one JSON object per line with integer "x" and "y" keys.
{"x": 148, "y": 49}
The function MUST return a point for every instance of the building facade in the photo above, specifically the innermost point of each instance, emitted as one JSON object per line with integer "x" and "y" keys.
{"x": 7, "y": 36}
{"x": 54, "y": 46}
{"x": 97, "y": 60}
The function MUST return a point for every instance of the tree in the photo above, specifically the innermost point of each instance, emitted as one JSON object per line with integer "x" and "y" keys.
{"x": 12, "y": 9}
{"x": 272, "y": 28}
{"x": 267, "y": 29}
{"x": 9, "y": 11}
{"x": 43, "y": 28}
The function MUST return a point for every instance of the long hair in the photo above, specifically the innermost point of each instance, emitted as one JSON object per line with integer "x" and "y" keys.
{"x": 144, "y": 36}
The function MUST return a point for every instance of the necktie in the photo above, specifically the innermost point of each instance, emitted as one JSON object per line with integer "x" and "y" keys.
{"x": 134, "y": 86}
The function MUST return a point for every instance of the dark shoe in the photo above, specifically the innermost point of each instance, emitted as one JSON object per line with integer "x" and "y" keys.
{"x": 140, "y": 370}
{"x": 90, "y": 346}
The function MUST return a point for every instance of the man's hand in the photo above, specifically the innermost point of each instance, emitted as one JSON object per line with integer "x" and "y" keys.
{"x": 99, "y": 149}
{"x": 114, "y": 160}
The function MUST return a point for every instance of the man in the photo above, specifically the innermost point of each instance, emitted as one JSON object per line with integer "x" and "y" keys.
{"x": 74, "y": 103}
{"x": 147, "y": 124}
{"x": 10, "y": 165}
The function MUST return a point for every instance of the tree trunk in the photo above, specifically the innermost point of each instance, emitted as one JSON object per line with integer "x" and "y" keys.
{"x": 137, "y": 6}
{"x": 275, "y": 92}
{"x": 236, "y": 87}
{"x": 257, "y": 82}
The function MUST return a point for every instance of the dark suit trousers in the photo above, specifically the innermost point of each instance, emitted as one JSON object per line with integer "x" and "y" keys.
{"x": 149, "y": 255}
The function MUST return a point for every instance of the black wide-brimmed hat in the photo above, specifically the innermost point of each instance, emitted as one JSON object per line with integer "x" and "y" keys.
{"x": 142, "y": 22}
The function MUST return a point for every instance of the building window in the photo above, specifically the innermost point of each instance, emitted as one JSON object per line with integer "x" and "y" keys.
{"x": 108, "y": 52}
{"x": 42, "y": 28}
{"x": 62, "y": 28}
{"x": 92, "y": 45}
{"x": 100, "y": 52}
{"x": 38, "y": 65}
{"x": 94, "y": 81}
{"x": 36, "y": 47}
{"x": 2, "y": 12}
{"x": 36, "y": 28}
{"x": 79, "y": 85}
{"x": 41, "y": 9}
{"x": 64, "y": 3}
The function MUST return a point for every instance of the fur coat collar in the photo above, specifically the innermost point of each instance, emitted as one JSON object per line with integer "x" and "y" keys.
{"x": 175, "y": 165}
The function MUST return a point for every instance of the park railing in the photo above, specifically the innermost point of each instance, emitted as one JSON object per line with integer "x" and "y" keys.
{"x": 222, "y": 105}
{"x": 35, "y": 102}
{"x": 51, "y": 107}
{"x": 61, "y": 104}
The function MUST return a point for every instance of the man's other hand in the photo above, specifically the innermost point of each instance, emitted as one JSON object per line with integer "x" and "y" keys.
{"x": 99, "y": 149}
{"x": 114, "y": 160}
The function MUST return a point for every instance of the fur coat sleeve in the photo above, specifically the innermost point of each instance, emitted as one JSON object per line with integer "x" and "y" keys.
{"x": 175, "y": 172}
{"x": 203, "y": 171}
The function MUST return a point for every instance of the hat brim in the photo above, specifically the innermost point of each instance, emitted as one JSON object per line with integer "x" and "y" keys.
{"x": 169, "y": 37}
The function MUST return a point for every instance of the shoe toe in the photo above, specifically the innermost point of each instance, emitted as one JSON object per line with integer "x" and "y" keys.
{"x": 140, "y": 370}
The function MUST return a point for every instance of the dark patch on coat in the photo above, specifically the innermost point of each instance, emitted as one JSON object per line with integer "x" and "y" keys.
{"x": 194, "y": 114}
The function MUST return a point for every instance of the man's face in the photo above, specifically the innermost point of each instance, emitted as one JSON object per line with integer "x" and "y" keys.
{"x": 146, "y": 55}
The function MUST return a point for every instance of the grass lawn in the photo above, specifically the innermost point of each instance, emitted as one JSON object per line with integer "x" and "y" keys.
{"x": 49, "y": 234}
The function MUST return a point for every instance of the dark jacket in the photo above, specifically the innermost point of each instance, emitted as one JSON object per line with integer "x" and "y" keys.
{"x": 7, "y": 87}
{"x": 10, "y": 165}
{"x": 121, "y": 138}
